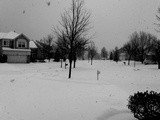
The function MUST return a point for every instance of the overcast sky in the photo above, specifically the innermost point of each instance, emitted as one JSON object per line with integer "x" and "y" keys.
{"x": 113, "y": 20}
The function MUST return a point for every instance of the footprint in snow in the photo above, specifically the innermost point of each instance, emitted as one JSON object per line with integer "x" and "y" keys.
{"x": 12, "y": 80}
{"x": 136, "y": 69}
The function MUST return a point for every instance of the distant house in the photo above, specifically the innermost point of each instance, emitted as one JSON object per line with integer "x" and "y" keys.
{"x": 15, "y": 47}
{"x": 150, "y": 58}
{"x": 123, "y": 56}
{"x": 37, "y": 51}
{"x": 34, "y": 50}
{"x": 40, "y": 50}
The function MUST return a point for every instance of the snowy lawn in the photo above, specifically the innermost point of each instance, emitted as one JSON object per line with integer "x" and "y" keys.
{"x": 41, "y": 91}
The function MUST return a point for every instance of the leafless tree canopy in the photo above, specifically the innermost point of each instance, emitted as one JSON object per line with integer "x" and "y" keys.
{"x": 156, "y": 50}
{"x": 104, "y": 53}
{"x": 47, "y": 46}
{"x": 74, "y": 26}
{"x": 139, "y": 45}
{"x": 75, "y": 22}
{"x": 92, "y": 51}
{"x": 48, "y": 40}
{"x": 158, "y": 24}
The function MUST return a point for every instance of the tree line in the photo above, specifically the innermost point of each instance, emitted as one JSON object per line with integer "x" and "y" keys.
{"x": 140, "y": 45}
{"x": 59, "y": 49}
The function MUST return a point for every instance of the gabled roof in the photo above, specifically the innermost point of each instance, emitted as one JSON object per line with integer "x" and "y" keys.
{"x": 10, "y": 35}
{"x": 32, "y": 44}
{"x": 38, "y": 44}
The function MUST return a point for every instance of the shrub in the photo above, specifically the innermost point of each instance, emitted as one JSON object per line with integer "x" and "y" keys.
{"x": 3, "y": 58}
{"x": 145, "y": 105}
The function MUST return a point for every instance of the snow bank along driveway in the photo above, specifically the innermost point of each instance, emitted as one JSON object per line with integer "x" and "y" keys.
{"x": 41, "y": 91}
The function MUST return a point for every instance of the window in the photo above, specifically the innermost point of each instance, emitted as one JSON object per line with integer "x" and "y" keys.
{"x": 21, "y": 43}
{"x": 5, "y": 43}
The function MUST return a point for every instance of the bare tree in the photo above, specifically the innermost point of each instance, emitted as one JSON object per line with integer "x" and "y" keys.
{"x": 47, "y": 40}
{"x": 158, "y": 18}
{"x": 104, "y": 53}
{"x": 74, "y": 25}
{"x": 92, "y": 51}
{"x": 156, "y": 50}
{"x": 81, "y": 51}
{"x": 156, "y": 42}
{"x": 134, "y": 41}
{"x": 111, "y": 55}
{"x": 127, "y": 48}
{"x": 116, "y": 54}
{"x": 144, "y": 45}
{"x": 47, "y": 46}
{"x": 79, "y": 48}
{"x": 63, "y": 46}
{"x": 139, "y": 46}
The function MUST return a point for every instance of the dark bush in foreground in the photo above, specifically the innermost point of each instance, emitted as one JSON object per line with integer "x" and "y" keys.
{"x": 145, "y": 105}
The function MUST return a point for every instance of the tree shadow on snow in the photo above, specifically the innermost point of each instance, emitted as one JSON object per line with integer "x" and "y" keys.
{"x": 111, "y": 113}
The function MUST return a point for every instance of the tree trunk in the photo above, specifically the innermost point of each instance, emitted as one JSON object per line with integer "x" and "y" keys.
{"x": 74, "y": 60}
{"x": 61, "y": 62}
{"x": 0, "y": 49}
{"x": 70, "y": 68}
{"x": 134, "y": 63}
{"x": 129, "y": 60}
{"x": 0, "y": 52}
{"x": 142, "y": 60}
{"x": 91, "y": 60}
{"x": 74, "y": 66}
{"x": 158, "y": 64}
{"x": 70, "y": 64}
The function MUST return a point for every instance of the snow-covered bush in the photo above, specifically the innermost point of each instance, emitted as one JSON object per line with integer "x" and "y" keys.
{"x": 145, "y": 105}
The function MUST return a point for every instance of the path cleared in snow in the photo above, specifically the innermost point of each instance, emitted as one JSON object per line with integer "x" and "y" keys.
{"x": 41, "y": 91}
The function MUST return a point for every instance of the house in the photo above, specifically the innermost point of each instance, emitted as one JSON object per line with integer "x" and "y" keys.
{"x": 37, "y": 51}
{"x": 15, "y": 47}
{"x": 150, "y": 58}
{"x": 123, "y": 56}
{"x": 34, "y": 50}
{"x": 41, "y": 50}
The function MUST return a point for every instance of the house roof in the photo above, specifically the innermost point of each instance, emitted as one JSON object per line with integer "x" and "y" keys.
{"x": 10, "y": 49}
{"x": 10, "y": 35}
{"x": 32, "y": 44}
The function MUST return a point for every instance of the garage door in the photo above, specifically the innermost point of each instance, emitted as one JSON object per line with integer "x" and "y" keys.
{"x": 17, "y": 59}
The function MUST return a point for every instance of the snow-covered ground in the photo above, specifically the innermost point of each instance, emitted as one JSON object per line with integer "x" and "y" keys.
{"x": 42, "y": 91}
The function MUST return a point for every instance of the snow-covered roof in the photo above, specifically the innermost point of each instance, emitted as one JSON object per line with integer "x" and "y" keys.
{"x": 2, "y": 35}
{"x": 10, "y": 35}
{"x": 32, "y": 44}
{"x": 10, "y": 49}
